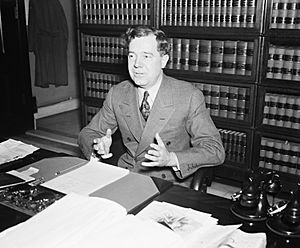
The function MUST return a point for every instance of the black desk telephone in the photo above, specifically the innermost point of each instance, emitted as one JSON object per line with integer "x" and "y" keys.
{"x": 251, "y": 204}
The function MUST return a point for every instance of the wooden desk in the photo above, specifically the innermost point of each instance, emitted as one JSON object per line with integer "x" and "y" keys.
{"x": 219, "y": 207}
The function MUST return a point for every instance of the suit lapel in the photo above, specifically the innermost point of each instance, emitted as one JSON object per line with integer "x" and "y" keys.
{"x": 161, "y": 111}
{"x": 129, "y": 107}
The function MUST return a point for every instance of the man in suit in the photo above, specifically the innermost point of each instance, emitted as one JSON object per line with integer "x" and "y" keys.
{"x": 170, "y": 134}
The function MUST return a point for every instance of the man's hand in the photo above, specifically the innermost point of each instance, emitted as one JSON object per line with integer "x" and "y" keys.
{"x": 159, "y": 155}
{"x": 102, "y": 145}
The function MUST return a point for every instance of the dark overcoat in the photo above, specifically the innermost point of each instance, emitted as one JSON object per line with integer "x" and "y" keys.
{"x": 48, "y": 40}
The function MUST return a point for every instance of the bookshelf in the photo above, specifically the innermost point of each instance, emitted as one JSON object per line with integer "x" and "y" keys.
{"x": 243, "y": 54}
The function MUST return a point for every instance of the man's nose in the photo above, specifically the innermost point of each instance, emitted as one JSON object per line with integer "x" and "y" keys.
{"x": 138, "y": 62}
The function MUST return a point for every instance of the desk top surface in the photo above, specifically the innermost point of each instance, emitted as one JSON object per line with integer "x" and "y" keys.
{"x": 219, "y": 207}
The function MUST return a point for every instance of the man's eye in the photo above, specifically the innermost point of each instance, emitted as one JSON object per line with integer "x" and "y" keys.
{"x": 130, "y": 56}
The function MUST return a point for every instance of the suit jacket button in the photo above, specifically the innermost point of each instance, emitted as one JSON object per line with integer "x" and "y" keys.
{"x": 163, "y": 176}
{"x": 168, "y": 143}
{"x": 128, "y": 139}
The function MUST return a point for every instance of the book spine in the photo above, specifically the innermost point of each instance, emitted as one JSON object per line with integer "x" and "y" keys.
{"x": 229, "y": 57}
{"x": 169, "y": 13}
{"x": 236, "y": 13}
{"x": 175, "y": 13}
{"x": 189, "y": 13}
{"x": 266, "y": 111}
{"x": 224, "y": 101}
{"x": 94, "y": 12}
{"x": 296, "y": 64}
{"x": 290, "y": 20}
{"x": 269, "y": 154}
{"x": 232, "y": 103}
{"x": 277, "y": 157}
{"x": 223, "y": 13}
{"x": 215, "y": 100}
{"x": 278, "y": 62}
{"x": 217, "y": 15}
{"x": 200, "y": 18}
{"x": 206, "y": 12}
{"x": 282, "y": 14}
{"x": 180, "y": 13}
{"x": 273, "y": 109}
{"x": 217, "y": 51}
{"x": 194, "y": 54}
{"x": 176, "y": 53}
{"x": 243, "y": 15}
{"x": 294, "y": 158}
{"x": 270, "y": 63}
{"x": 241, "y": 104}
{"x": 249, "y": 59}
{"x": 282, "y": 100}
{"x": 204, "y": 55}
{"x": 241, "y": 57}
{"x": 83, "y": 12}
{"x": 207, "y": 95}
{"x": 212, "y": 13}
{"x": 287, "y": 72}
{"x": 296, "y": 114}
{"x": 195, "y": 12}
{"x": 163, "y": 12}
{"x": 262, "y": 153}
{"x": 251, "y": 7}
{"x": 274, "y": 19}
{"x": 297, "y": 21}
{"x": 184, "y": 11}
{"x": 185, "y": 53}
{"x": 229, "y": 12}
{"x": 290, "y": 102}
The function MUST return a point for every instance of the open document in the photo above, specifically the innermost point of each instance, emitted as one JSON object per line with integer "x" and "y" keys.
{"x": 87, "y": 178}
{"x": 81, "y": 221}
{"x": 77, "y": 221}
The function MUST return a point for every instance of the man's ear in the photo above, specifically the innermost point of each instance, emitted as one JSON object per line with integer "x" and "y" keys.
{"x": 164, "y": 60}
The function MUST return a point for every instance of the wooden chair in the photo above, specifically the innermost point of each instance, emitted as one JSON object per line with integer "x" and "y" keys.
{"x": 202, "y": 178}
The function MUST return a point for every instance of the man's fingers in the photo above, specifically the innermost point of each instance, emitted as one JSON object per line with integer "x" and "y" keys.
{"x": 108, "y": 133}
{"x": 159, "y": 140}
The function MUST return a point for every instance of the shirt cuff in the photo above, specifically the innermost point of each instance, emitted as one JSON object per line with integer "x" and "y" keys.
{"x": 174, "y": 163}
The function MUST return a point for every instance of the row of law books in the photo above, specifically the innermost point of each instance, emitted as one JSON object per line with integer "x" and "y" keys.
{"x": 104, "y": 49}
{"x": 98, "y": 84}
{"x": 280, "y": 155}
{"x": 115, "y": 12}
{"x": 285, "y": 14}
{"x": 208, "y": 13}
{"x": 90, "y": 112}
{"x": 282, "y": 110}
{"x": 226, "y": 101}
{"x": 283, "y": 63}
{"x": 213, "y": 56}
{"x": 234, "y": 143}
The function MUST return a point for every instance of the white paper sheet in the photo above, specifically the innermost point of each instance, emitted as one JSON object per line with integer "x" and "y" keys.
{"x": 86, "y": 179}
{"x": 11, "y": 150}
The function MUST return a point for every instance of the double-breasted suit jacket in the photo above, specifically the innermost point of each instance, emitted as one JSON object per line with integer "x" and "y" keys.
{"x": 179, "y": 116}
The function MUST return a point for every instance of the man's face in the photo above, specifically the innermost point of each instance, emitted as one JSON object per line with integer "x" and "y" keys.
{"x": 145, "y": 63}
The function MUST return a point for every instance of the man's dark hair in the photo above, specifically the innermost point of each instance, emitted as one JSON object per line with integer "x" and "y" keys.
{"x": 141, "y": 31}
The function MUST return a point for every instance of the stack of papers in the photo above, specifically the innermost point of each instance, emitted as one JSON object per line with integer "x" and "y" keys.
{"x": 82, "y": 221}
{"x": 11, "y": 150}
{"x": 198, "y": 229}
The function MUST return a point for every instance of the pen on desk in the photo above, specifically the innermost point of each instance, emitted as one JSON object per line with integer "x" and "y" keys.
{"x": 67, "y": 169}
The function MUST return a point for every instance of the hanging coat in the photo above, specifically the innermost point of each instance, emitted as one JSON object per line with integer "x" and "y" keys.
{"x": 48, "y": 40}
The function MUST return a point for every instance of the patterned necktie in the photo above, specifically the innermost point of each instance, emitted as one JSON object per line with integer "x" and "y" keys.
{"x": 145, "y": 106}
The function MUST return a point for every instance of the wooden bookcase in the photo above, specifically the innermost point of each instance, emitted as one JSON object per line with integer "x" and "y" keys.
{"x": 223, "y": 47}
